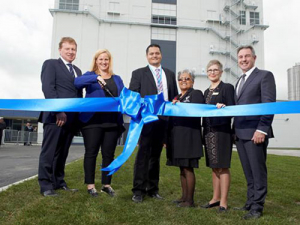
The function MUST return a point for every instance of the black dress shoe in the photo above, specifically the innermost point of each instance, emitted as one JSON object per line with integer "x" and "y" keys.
{"x": 253, "y": 214}
{"x": 244, "y": 208}
{"x": 156, "y": 196}
{"x": 93, "y": 192}
{"x": 222, "y": 209}
{"x": 50, "y": 193}
{"x": 108, "y": 190}
{"x": 65, "y": 188}
{"x": 207, "y": 206}
{"x": 137, "y": 198}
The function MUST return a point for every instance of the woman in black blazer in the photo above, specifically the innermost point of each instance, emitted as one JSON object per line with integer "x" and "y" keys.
{"x": 184, "y": 145}
{"x": 218, "y": 136}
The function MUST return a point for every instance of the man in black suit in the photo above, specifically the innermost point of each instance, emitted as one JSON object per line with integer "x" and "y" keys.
{"x": 253, "y": 132}
{"x": 59, "y": 128}
{"x": 150, "y": 80}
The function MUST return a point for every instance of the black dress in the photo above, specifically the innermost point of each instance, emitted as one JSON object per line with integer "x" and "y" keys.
{"x": 217, "y": 130}
{"x": 184, "y": 144}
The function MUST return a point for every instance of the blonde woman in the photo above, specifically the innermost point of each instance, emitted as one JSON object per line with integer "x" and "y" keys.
{"x": 100, "y": 129}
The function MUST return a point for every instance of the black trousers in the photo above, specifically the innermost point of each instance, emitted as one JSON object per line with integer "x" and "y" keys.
{"x": 94, "y": 138}
{"x": 253, "y": 159}
{"x": 147, "y": 161}
{"x": 55, "y": 150}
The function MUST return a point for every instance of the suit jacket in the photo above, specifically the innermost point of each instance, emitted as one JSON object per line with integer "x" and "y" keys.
{"x": 259, "y": 88}
{"x": 224, "y": 93}
{"x": 57, "y": 82}
{"x": 93, "y": 89}
{"x": 142, "y": 81}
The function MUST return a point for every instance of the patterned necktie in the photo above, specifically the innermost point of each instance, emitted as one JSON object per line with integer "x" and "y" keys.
{"x": 71, "y": 69}
{"x": 159, "y": 81}
{"x": 242, "y": 82}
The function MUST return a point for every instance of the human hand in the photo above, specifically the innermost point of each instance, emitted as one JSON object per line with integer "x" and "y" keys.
{"x": 258, "y": 137}
{"x": 174, "y": 101}
{"x": 220, "y": 105}
{"x": 61, "y": 119}
{"x": 101, "y": 81}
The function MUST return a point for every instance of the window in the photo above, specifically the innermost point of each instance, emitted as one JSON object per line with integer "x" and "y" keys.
{"x": 164, "y": 20}
{"x": 69, "y": 4}
{"x": 243, "y": 17}
{"x": 166, "y": 34}
{"x": 254, "y": 18}
{"x": 165, "y": 1}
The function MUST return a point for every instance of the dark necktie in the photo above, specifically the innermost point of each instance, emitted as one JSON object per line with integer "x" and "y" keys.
{"x": 71, "y": 69}
{"x": 242, "y": 82}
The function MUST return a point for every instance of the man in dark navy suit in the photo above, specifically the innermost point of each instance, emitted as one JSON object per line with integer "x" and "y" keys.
{"x": 59, "y": 128}
{"x": 253, "y": 132}
{"x": 150, "y": 80}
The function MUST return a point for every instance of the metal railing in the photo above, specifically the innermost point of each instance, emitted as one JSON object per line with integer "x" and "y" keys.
{"x": 17, "y": 137}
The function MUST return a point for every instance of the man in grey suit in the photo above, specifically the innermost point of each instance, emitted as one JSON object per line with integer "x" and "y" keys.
{"x": 59, "y": 127}
{"x": 253, "y": 132}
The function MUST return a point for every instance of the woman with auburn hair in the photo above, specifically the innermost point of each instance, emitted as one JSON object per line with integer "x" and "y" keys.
{"x": 218, "y": 136}
{"x": 100, "y": 129}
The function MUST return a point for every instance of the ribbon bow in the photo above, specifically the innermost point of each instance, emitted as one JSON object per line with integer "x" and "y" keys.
{"x": 141, "y": 111}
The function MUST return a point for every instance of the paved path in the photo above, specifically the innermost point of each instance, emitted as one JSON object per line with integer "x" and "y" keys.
{"x": 18, "y": 162}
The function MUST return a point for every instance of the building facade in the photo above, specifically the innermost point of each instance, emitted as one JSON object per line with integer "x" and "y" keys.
{"x": 190, "y": 32}
{"x": 294, "y": 82}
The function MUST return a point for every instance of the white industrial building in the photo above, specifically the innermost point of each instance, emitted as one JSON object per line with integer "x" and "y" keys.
{"x": 294, "y": 82}
{"x": 190, "y": 32}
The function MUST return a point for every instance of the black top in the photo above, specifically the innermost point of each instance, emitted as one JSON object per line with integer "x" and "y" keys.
{"x": 223, "y": 93}
{"x": 105, "y": 119}
{"x": 184, "y": 139}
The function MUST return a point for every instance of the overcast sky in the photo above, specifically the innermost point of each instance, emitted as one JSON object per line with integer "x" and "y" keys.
{"x": 26, "y": 30}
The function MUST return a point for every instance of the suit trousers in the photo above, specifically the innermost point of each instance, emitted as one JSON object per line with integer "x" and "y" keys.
{"x": 94, "y": 138}
{"x": 147, "y": 162}
{"x": 55, "y": 150}
{"x": 253, "y": 158}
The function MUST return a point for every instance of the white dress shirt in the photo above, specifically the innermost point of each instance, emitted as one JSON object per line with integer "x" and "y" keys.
{"x": 163, "y": 79}
{"x": 65, "y": 62}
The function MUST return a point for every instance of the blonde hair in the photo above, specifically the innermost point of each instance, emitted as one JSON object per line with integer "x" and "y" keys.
{"x": 215, "y": 62}
{"x": 94, "y": 66}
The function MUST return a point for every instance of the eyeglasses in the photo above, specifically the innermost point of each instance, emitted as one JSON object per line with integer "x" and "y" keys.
{"x": 213, "y": 71}
{"x": 184, "y": 79}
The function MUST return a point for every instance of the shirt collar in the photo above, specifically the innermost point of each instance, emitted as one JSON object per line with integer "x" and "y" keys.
{"x": 65, "y": 62}
{"x": 250, "y": 71}
{"x": 152, "y": 68}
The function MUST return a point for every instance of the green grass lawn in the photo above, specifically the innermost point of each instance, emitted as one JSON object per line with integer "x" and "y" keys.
{"x": 23, "y": 204}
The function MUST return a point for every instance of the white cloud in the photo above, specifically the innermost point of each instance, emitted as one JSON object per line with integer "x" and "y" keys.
{"x": 25, "y": 42}
{"x": 281, "y": 40}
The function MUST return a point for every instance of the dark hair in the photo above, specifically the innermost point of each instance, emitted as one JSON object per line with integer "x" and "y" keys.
{"x": 187, "y": 71}
{"x": 152, "y": 45}
{"x": 246, "y": 47}
{"x": 67, "y": 39}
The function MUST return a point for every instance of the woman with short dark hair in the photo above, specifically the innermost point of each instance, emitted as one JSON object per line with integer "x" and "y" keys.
{"x": 184, "y": 145}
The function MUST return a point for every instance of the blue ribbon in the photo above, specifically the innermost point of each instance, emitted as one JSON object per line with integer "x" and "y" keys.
{"x": 143, "y": 111}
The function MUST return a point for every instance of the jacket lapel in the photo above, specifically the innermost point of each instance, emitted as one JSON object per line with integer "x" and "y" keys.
{"x": 64, "y": 68}
{"x": 150, "y": 77}
{"x": 248, "y": 81}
